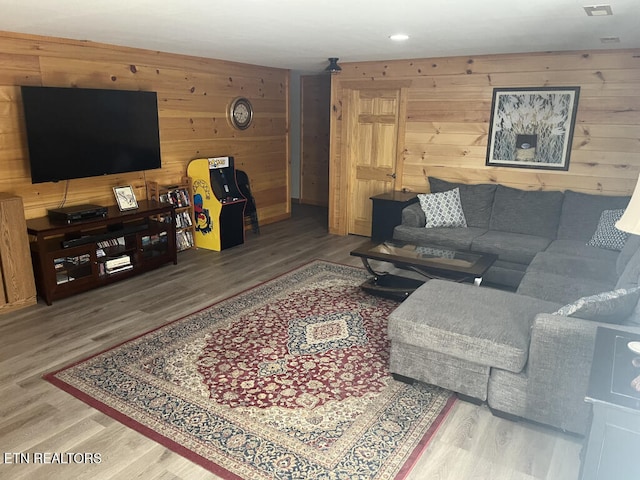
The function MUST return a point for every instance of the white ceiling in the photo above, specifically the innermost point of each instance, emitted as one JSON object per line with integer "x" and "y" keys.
{"x": 302, "y": 34}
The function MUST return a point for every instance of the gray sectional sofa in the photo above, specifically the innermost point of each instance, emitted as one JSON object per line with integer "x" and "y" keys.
{"x": 514, "y": 224}
{"x": 526, "y": 352}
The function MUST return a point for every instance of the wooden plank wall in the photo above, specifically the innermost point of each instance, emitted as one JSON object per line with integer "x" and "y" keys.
{"x": 449, "y": 108}
{"x": 193, "y": 97}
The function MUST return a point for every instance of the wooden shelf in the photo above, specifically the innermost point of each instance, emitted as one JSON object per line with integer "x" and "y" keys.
{"x": 180, "y": 196}
{"x": 72, "y": 258}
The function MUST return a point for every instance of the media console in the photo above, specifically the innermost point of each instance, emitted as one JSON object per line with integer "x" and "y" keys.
{"x": 69, "y": 258}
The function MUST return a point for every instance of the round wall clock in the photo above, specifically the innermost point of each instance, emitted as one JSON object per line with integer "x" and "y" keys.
{"x": 241, "y": 113}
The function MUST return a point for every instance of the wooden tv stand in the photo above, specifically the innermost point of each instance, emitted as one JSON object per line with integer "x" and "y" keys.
{"x": 72, "y": 258}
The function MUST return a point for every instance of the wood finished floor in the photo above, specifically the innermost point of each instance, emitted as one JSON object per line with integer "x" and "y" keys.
{"x": 37, "y": 417}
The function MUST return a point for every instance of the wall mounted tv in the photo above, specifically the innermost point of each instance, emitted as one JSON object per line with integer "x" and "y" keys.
{"x": 81, "y": 132}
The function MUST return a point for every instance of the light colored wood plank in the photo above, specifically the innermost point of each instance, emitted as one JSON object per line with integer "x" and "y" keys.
{"x": 449, "y": 110}
{"x": 193, "y": 96}
{"x": 18, "y": 288}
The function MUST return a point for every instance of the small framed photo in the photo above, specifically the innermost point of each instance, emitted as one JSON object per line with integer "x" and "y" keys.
{"x": 125, "y": 197}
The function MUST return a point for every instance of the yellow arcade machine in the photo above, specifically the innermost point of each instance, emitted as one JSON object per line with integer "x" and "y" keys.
{"x": 217, "y": 202}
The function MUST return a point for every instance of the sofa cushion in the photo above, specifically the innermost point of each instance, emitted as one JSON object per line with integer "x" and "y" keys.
{"x": 476, "y": 200}
{"x": 581, "y": 212}
{"x": 559, "y": 288}
{"x": 442, "y": 209}
{"x": 614, "y": 306}
{"x": 578, "y": 267}
{"x": 490, "y": 327}
{"x": 455, "y": 238}
{"x": 511, "y": 247}
{"x": 528, "y": 212}
{"x": 578, "y": 248}
{"x": 606, "y": 234}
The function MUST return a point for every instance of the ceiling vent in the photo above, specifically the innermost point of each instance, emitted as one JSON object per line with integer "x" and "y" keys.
{"x": 607, "y": 40}
{"x": 598, "y": 10}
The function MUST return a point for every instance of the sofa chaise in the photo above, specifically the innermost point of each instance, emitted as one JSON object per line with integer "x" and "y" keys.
{"x": 527, "y": 352}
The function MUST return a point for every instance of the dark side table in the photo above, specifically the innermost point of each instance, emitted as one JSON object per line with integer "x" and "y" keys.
{"x": 613, "y": 448}
{"x": 387, "y": 213}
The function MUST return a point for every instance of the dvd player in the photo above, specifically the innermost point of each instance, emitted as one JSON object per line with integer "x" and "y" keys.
{"x": 77, "y": 213}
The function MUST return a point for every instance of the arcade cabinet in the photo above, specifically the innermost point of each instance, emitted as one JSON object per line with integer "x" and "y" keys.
{"x": 218, "y": 203}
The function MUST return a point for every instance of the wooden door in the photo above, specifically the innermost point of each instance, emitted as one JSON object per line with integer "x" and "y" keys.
{"x": 372, "y": 129}
{"x": 314, "y": 158}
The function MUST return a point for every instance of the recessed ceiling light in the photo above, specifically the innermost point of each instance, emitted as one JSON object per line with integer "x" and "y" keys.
{"x": 399, "y": 37}
{"x": 598, "y": 10}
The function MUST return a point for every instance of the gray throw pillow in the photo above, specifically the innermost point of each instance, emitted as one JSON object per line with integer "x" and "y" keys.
{"x": 606, "y": 234}
{"x": 442, "y": 209}
{"x": 614, "y": 306}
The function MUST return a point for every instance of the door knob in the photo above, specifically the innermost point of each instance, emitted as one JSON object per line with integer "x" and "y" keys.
{"x": 392, "y": 175}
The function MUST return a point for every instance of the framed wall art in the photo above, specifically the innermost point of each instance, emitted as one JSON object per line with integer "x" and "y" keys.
{"x": 532, "y": 127}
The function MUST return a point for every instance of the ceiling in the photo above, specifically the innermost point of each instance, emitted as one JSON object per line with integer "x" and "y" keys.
{"x": 302, "y": 34}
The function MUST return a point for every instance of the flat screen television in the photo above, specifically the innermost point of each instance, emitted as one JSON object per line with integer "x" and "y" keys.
{"x": 81, "y": 132}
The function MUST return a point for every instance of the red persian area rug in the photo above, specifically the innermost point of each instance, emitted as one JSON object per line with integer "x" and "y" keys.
{"x": 287, "y": 380}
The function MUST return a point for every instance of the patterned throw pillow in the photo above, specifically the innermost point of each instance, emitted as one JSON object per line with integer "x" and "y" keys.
{"x": 443, "y": 209}
{"x": 607, "y": 235}
{"x": 609, "y": 307}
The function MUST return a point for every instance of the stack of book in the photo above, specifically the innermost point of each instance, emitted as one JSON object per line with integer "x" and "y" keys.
{"x": 111, "y": 242}
{"x": 184, "y": 240}
{"x": 178, "y": 197}
{"x": 183, "y": 219}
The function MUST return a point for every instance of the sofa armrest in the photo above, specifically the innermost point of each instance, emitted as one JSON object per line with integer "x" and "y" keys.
{"x": 562, "y": 347}
{"x": 413, "y": 216}
{"x": 559, "y": 366}
{"x": 560, "y": 353}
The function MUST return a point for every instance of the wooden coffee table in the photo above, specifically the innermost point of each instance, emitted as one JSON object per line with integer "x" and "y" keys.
{"x": 427, "y": 261}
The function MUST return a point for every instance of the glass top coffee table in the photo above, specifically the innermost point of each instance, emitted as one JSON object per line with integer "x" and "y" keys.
{"x": 429, "y": 262}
